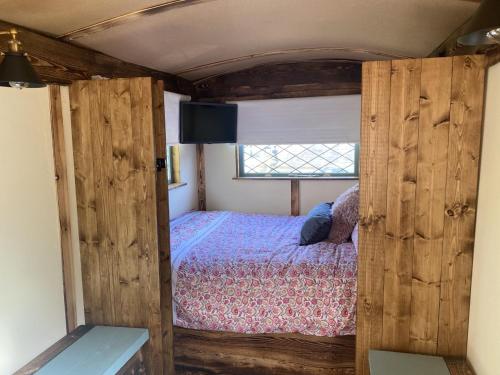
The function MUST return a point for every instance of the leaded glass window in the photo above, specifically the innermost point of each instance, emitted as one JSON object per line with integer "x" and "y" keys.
{"x": 299, "y": 160}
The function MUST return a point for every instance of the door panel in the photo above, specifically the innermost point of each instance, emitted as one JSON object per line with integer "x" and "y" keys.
{"x": 124, "y": 243}
{"x": 419, "y": 163}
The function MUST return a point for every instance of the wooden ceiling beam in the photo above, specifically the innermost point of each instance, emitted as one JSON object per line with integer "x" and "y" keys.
{"x": 61, "y": 62}
{"x": 316, "y": 78}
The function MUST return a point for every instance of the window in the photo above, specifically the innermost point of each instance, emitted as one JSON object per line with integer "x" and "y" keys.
{"x": 173, "y": 165}
{"x": 307, "y": 160}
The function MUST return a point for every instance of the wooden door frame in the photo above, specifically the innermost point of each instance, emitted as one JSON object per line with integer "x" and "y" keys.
{"x": 61, "y": 178}
{"x": 163, "y": 223}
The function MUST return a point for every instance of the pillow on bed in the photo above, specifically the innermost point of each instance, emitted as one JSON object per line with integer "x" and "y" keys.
{"x": 344, "y": 215}
{"x": 317, "y": 225}
{"x": 354, "y": 237}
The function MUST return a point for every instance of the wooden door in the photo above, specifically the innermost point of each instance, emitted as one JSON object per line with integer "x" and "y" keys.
{"x": 420, "y": 148}
{"x": 118, "y": 127}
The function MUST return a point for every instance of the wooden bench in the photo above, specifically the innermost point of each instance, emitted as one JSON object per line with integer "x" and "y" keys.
{"x": 92, "y": 350}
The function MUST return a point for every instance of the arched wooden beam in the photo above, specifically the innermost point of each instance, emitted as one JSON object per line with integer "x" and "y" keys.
{"x": 294, "y": 51}
{"x": 317, "y": 78}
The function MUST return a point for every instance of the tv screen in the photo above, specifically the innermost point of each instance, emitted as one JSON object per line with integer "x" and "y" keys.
{"x": 208, "y": 122}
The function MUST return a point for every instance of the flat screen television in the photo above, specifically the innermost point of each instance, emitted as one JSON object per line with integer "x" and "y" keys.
{"x": 208, "y": 122}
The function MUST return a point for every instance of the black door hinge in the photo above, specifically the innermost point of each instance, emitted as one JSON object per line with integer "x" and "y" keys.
{"x": 161, "y": 164}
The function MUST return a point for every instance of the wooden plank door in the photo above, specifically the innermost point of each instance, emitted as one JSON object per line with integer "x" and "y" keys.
{"x": 420, "y": 148}
{"x": 123, "y": 209}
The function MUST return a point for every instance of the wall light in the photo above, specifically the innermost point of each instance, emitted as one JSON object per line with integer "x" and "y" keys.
{"x": 484, "y": 26}
{"x": 15, "y": 69}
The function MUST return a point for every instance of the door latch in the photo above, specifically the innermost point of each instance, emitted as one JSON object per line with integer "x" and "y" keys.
{"x": 160, "y": 164}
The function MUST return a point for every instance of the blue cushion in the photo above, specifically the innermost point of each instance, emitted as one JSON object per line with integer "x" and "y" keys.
{"x": 317, "y": 225}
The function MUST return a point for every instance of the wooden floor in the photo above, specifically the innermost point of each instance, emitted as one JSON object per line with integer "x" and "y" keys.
{"x": 206, "y": 352}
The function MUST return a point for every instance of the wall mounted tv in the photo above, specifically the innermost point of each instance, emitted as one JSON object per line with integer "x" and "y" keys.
{"x": 208, "y": 122}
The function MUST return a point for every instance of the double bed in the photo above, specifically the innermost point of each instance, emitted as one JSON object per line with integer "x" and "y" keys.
{"x": 244, "y": 275}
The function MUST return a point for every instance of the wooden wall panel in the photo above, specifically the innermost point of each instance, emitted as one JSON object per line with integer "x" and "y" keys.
{"x": 399, "y": 225}
{"x": 373, "y": 209}
{"x": 290, "y": 80}
{"x": 86, "y": 201}
{"x": 460, "y": 201}
{"x": 419, "y": 162}
{"x": 114, "y": 147}
{"x": 429, "y": 221}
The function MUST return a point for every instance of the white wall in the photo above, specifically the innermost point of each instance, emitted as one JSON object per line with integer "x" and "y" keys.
{"x": 31, "y": 287}
{"x": 185, "y": 198}
{"x": 484, "y": 324}
{"x": 259, "y": 196}
{"x": 314, "y": 192}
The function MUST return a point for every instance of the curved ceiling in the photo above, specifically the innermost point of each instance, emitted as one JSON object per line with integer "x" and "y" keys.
{"x": 201, "y": 38}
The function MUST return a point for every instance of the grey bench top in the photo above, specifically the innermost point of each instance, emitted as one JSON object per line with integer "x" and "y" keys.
{"x": 102, "y": 350}
{"x": 393, "y": 363}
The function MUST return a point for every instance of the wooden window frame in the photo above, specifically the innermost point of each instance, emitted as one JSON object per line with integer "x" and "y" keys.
{"x": 174, "y": 170}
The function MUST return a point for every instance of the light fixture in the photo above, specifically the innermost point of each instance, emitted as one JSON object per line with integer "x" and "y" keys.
{"x": 484, "y": 26}
{"x": 15, "y": 69}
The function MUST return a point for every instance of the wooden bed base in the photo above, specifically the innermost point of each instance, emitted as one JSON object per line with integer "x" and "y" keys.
{"x": 207, "y": 352}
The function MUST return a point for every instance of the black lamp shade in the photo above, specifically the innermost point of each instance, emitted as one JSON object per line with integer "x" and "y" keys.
{"x": 486, "y": 18}
{"x": 16, "y": 67}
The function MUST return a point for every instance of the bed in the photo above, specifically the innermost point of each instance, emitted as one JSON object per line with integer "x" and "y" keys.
{"x": 242, "y": 282}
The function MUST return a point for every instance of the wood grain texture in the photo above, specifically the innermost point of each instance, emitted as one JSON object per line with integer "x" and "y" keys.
{"x": 422, "y": 163}
{"x": 176, "y": 164}
{"x": 200, "y": 165}
{"x": 372, "y": 209}
{"x": 459, "y": 366}
{"x": 114, "y": 124}
{"x": 60, "y": 167}
{"x": 429, "y": 219}
{"x": 464, "y": 150}
{"x": 86, "y": 201}
{"x": 61, "y": 62}
{"x": 135, "y": 366}
{"x": 163, "y": 224}
{"x": 401, "y": 183}
{"x": 39, "y": 361}
{"x": 291, "y": 80}
{"x": 208, "y": 352}
{"x": 295, "y": 197}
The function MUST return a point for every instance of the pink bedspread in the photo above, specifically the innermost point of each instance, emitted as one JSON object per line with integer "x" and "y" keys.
{"x": 245, "y": 273}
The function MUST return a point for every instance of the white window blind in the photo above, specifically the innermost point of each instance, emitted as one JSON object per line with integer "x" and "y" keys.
{"x": 172, "y": 113}
{"x": 327, "y": 119}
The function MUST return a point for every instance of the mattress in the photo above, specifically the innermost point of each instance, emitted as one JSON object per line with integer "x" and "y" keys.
{"x": 246, "y": 273}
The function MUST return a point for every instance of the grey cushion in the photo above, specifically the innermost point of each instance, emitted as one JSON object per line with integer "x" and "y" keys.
{"x": 317, "y": 225}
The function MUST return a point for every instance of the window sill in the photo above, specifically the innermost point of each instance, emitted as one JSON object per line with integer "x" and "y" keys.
{"x": 176, "y": 185}
{"x": 298, "y": 178}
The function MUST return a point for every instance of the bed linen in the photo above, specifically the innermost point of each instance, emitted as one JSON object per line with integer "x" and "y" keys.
{"x": 246, "y": 273}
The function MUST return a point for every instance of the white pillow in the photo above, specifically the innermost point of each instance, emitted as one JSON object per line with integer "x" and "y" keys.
{"x": 354, "y": 237}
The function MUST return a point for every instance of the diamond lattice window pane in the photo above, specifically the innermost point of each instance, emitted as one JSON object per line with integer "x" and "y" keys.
{"x": 335, "y": 159}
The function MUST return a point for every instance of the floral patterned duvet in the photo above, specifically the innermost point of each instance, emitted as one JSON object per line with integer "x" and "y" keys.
{"x": 246, "y": 273}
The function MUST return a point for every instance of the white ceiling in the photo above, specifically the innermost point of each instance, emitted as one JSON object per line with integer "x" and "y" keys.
{"x": 200, "y": 38}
